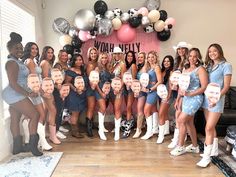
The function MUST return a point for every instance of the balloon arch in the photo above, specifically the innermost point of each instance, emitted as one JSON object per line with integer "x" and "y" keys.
{"x": 89, "y": 26}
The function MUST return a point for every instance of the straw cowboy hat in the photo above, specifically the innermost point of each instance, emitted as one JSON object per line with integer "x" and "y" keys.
{"x": 117, "y": 50}
{"x": 182, "y": 45}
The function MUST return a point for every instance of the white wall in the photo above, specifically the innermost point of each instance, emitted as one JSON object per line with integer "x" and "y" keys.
{"x": 197, "y": 22}
{"x": 33, "y": 7}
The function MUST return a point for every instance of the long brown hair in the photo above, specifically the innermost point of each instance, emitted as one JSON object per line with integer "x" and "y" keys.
{"x": 208, "y": 60}
{"x": 44, "y": 55}
{"x": 199, "y": 58}
{"x": 179, "y": 63}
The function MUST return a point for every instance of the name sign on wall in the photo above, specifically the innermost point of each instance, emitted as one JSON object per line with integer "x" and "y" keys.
{"x": 144, "y": 42}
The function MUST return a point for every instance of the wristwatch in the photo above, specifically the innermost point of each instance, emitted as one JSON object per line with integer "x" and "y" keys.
{"x": 149, "y": 90}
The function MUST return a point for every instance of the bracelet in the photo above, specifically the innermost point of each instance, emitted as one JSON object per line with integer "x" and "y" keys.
{"x": 149, "y": 90}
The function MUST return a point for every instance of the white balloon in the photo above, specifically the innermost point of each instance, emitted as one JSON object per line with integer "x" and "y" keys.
{"x": 65, "y": 39}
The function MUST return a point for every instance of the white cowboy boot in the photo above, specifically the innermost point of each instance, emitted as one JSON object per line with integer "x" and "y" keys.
{"x": 160, "y": 138}
{"x": 42, "y": 140}
{"x": 155, "y": 123}
{"x": 149, "y": 132}
{"x": 101, "y": 126}
{"x": 117, "y": 129}
{"x": 206, "y": 159}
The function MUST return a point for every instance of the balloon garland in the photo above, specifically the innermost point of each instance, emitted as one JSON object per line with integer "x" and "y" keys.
{"x": 87, "y": 25}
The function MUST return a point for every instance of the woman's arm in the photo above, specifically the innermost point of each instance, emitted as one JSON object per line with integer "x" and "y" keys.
{"x": 45, "y": 68}
{"x": 12, "y": 73}
{"x": 134, "y": 71}
{"x": 227, "y": 81}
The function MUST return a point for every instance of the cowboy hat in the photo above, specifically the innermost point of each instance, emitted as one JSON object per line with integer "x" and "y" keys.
{"x": 182, "y": 45}
{"x": 117, "y": 50}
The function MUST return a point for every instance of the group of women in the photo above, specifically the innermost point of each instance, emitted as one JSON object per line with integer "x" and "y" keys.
{"x": 37, "y": 108}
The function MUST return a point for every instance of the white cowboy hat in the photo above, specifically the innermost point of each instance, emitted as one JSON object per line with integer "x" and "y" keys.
{"x": 182, "y": 45}
{"x": 117, "y": 50}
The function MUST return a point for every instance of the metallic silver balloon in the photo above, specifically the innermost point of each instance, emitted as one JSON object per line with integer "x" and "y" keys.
{"x": 73, "y": 31}
{"x": 145, "y": 21}
{"x": 61, "y": 25}
{"x": 153, "y": 4}
{"x": 109, "y": 14}
{"x": 84, "y": 19}
{"x": 124, "y": 17}
{"x": 105, "y": 27}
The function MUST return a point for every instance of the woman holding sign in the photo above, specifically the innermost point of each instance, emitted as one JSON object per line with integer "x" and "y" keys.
{"x": 17, "y": 96}
{"x": 130, "y": 61}
{"x": 92, "y": 57}
{"x": 192, "y": 84}
{"x": 76, "y": 101}
{"x": 118, "y": 69}
{"x": 30, "y": 58}
{"x": 141, "y": 69}
{"x": 220, "y": 72}
{"x": 150, "y": 108}
{"x": 166, "y": 69}
{"x": 102, "y": 91}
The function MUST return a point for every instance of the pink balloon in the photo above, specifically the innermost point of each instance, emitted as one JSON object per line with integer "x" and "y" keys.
{"x": 84, "y": 35}
{"x": 143, "y": 11}
{"x": 170, "y": 21}
{"x": 126, "y": 33}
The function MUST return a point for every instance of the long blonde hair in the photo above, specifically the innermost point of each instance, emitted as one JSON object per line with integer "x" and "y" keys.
{"x": 157, "y": 59}
{"x": 108, "y": 64}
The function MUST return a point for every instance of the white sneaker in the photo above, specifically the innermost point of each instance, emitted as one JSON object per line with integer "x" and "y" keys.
{"x": 179, "y": 150}
{"x": 172, "y": 145}
{"x": 192, "y": 149}
{"x": 60, "y": 135}
{"x": 62, "y": 129}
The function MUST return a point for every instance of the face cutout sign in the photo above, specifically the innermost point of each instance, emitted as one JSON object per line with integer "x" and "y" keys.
{"x": 127, "y": 79}
{"x": 33, "y": 83}
{"x": 57, "y": 76}
{"x": 162, "y": 91}
{"x": 144, "y": 79}
{"x": 174, "y": 79}
{"x": 184, "y": 81}
{"x": 64, "y": 91}
{"x": 79, "y": 84}
{"x": 47, "y": 85}
{"x": 94, "y": 78}
{"x": 106, "y": 88}
{"x": 116, "y": 84}
{"x": 136, "y": 87}
{"x": 212, "y": 93}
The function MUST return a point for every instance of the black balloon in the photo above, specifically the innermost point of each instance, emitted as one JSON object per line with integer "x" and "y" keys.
{"x": 134, "y": 22}
{"x": 76, "y": 42}
{"x": 164, "y": 35}
{"x": 163, "y": 15}
{"x": 68, "y": 48}
{"x": 100, "y": 7}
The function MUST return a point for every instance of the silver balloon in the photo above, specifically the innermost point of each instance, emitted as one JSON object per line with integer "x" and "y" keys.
{"x": 153, "y": 4}
{"x": 105, "y": 27}
{"x": 73, "y": 31}
{"x": 109, "y": 14}
{"x": 124, "y": 17}
{"x": 84, "y": 20}
{"x": 145, "y": 21}
{"x": 61, "y": 25}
